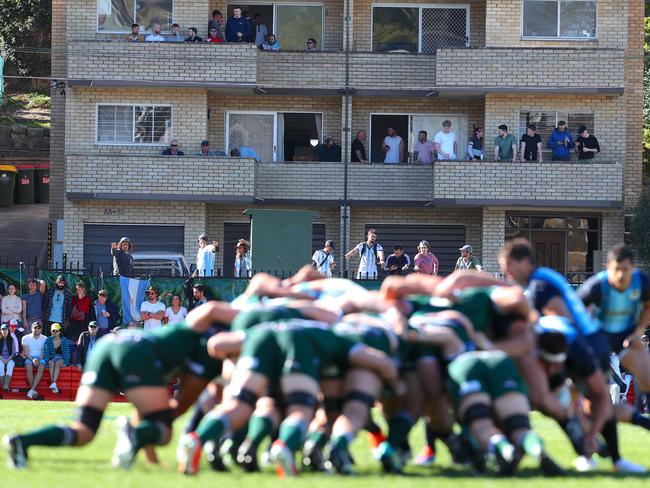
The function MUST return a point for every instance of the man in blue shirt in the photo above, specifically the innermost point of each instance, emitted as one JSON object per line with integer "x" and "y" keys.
{"x": 561, "y": 142}
{"x": 238, "y": 29}
{"x": 245, "y": 152}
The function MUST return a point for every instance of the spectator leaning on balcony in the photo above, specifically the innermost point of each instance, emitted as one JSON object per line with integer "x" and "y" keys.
{"x": 122, "y": 259}
{"x": 134, "y": 36}
{"x": 260, "y": 31}
{"x": 311, "y": 45}
{"x": 176, "y": 35}
{"x": 586, "y": 145}
{"x": 205, "y": 256}
{"x": 393, "y": 147}
{"x": 271, "y": 44}
{"x": 205, "y": 150}
{"x": 475, "y": 144}
{"x": 561, "y": 142}
{"x": 215, "y": 23}
{"x": 531, "y": 145}
{"x": 359, "y": 149}
{"x": 505, "y": 145}
{"x": 192, "y": 35}
{"x": 237, "y": 27}
{"x": 213, "y": 36}
{"x": 57, "y": 305}
{"x": 242, "y": 259}
{"x": 323, "y": 259}
{"x": 173, "y": 150}
{"x": 466, "y": 260}
{"x": 328, "y": 151}
{"x": 155, "y": 36}
{"x": 245, "y": 152}
{"x": 397, "y": 263}
{"x": 446, "y": 143}
{"x": 424, "y": 149}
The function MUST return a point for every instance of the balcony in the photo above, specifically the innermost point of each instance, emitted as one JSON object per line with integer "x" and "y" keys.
{"x": 119, "y": 63}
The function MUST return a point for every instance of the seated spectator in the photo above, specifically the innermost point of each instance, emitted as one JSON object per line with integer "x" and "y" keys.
{"x": 12, "y": 305}
{"x": 205, "y": 149}
{"x": 134, "y": 36}
{"x": 32, "y": 304}
{"x": 425, "y": 262}
{"x": 176, "y": 35}
{"x": 311, "y": 45}
{"x": 245, "y": 152}
{"x": 213, "y": 36}
{"x": 215, "y": 23}
{"x": 192, "y": 35}
{"x": 424, "y": 150}
{"x": 561, "y": 142}
{"x": 86, "y": 343}
{"x": 173, "y": 150}
{"x": 328, "y": 151}
{"x": 105, "y": 312}
{"x": 33, "y": 351}
{"x": 8, "y": 351}
{"x": 57, "y": 354}
{"x": 17, "y": 334}
{"x": 260, "y": 31}
{"x": 176, "y": 313}
{"x": 475, "y": 144}
{"x": 237, "y": 27}
{"x": 271, "y": 44}
{"x": 586, "y": 145}
{"x": 397, "y": 263}
{"x": 155, "y": 36}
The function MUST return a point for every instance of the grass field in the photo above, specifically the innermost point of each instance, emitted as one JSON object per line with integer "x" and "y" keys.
{"x": 90, "y": 466}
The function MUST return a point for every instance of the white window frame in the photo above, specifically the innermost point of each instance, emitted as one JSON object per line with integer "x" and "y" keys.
{"x": 555, "y": 38}
{"x": 421, "y": 6}
{"x": 133, "y": 105}
{"x": 409, "y": 148}
{"x": 143, "y": 30}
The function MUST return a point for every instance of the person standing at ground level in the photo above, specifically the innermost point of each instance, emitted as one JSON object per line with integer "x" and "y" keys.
{"x": 466, "y": 260}
{"x": 105, "y": 312}
{"x": 446, "y": 143}
{"x": 586, "y": 145}
{"x": 424, "y": 150}
{"x": 475, "y": 144}
{"x": 359, "y": 149}
{"x": 81, "y": 313}
{"x": 12, "y": 305}
{"x": 425, "y": 261}
{"x": 122, "y": 259}
{"x": 152, "y": 311}
{"x": 33, "y": 350}
{"x": 505, "y": 145}
{"x": 370, "y": 252}
{"x": 237, "y": 27}
{"x": 561, "y": 142}
{"x": 176, "y": 313}
{"x": 243, "y": 259}
{"x": 323, "y": 259}
{"x": 57, "y": 305}
{"x": 32, "y": 304}
{"x": 205, "y": 256}
{"x": 397, "y": 263}
{"x": 531, "y": 145}
{"x": 393, "y": 147}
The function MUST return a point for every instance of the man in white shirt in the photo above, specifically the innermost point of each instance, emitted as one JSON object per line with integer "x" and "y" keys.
{"x": 445, "y": 141}
{"x": 323, "y": 259}
{"x": 152, "y": 311}
{"x": 393, "y": 147}
{"x": 205, "y": 256}
{"x": 155, "y": 36}
{"x": 370, "y": 252}
{"x": 33, "y": 349}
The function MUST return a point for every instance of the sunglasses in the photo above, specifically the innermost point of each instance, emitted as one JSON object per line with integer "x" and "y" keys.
{"x": 92, "y": 326}
{"x": 36, "y": 327}
{"x": 53, "y": 330}
{"x": 151, "y": 293}
{"x": 174, "y": 145}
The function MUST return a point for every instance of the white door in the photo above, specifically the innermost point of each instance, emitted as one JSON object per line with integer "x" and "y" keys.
{"x": 256, "y": 130}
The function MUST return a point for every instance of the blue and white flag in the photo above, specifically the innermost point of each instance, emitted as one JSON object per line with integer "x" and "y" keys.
{"x": 132, "y": 291}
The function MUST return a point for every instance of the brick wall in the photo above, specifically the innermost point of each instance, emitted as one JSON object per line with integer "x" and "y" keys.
{"x": 190, "y": 215}
{"x": 528, "y": 180}
{"x": 535, "y": 68}
{"x": 610, "y": 127}
{"x": 159, "y": 61}
{"x": 503, "y": 26}
{"x": 186, "y": 175}
{"x": 189, "y": 117}
{"x": 492, "y": 238}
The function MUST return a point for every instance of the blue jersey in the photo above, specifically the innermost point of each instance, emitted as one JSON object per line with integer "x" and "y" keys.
{"x": 618, "y": 311}
{"x": 546, "y": 284}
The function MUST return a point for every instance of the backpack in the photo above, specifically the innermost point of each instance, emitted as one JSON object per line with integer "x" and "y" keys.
{"x": 372, "y": 248}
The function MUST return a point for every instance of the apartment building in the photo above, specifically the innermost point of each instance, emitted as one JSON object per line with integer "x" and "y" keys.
{"x": 409, "y": 64}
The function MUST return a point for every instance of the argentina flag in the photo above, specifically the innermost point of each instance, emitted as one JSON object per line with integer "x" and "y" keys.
{"x": 132, "y": 291}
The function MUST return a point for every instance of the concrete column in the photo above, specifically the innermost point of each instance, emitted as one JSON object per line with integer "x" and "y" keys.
{"x": 493, "y": 237}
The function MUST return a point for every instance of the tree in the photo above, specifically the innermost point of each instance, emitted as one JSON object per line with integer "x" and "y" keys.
{"x": 25, "y": 31}
{"x": 640, "y": 227}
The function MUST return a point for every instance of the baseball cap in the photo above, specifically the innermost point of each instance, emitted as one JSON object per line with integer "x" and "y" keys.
{"x": 466, "y": 247}
{"x": 12, "y": 323}
{"x": 203, "y": 237}
{"x": 55, "y": 326}
{"x": 59, "y": 278}
{"x": 92, "y": 323}
{"x": 34, "y": 324}
{"x": 205, "y": 142}
{"x": 124, "y": 239}
{"x": 4, "y": 326}
{"x": 330, "y": 244}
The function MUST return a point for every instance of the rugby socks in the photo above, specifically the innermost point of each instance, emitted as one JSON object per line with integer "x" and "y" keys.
{"x": 317, "y": 439}
{"x": 611, "y": 438}
{"x": 195, "y": 419}
{"x": 292, "y": 433}
{"x": 52, "y": 435}
{"x": 375, "y": 433}
{"x": 499, "y": 444}
{"x": 148, "y": 432}
{"x": 531, "y": 444}
{"x": 258, "y": 428}
{"x": 342, "y": 441}
{"x": 571, "y": 426}
{"x": 640, "y": 420}
{"x": 399, "y": 427}
{"x": 213, "y": 426}
{"x": 431, "y": 435}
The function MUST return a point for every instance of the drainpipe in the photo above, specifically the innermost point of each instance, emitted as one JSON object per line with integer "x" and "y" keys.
{"x": 346, "y": 138}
